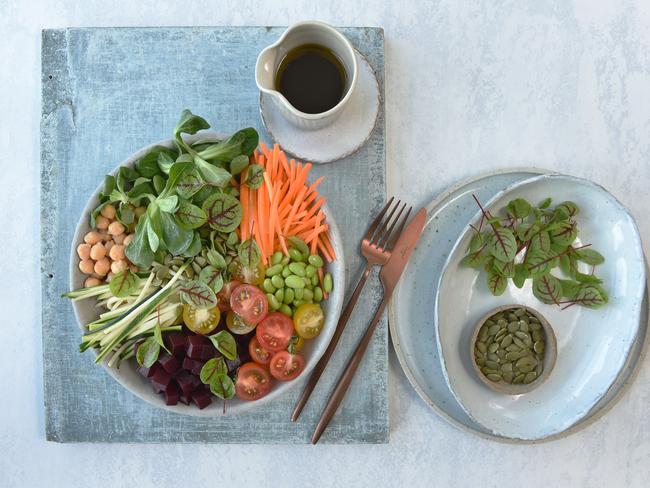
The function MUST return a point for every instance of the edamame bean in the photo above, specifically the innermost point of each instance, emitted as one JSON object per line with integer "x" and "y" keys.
{"x": 286, "y": 272}
{"x": 286, "y": 309}
{"x": 297, "y": 303}
{"x": 307, "y": 295}
{"x": 279, "y": 294}
{"x": 318, "y": 294}
{"x": 298, "y": 293}
{"x": 315, "y": 260}
{"x": 268, "y": 286}
{"x": 314, "y": 280}
{"x": 298, "y": 269}
{"x": 327, "y": 283}
{"x": 299, "y": 244}
{"x": 307, "y": 281}
{"x": 289, "y": 295}
{"x": 285, "y": 260}
{"x": 273, "y": 302}
{"x": 294, "y": 281}
{"x": 295, "y": 255}
{"x": 277, "y": 257}
{"x": 273, "y": 270}
{"x": 310, "y": 271}
{"x": 277, "y": 281}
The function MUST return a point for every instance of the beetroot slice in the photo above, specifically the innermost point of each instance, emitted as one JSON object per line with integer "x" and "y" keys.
{"x": 176, "y": 343}
{"x": 148, "y": 372}
{"x": 169, "y": 363}
{"x": 161, "y": 379}
{"x": 186, "y": 383}
{"x": 201, "y": 397}
{"x": 193, "y": 365}
{"x": 199, "y": 347}
{"x": 172, "y": 394}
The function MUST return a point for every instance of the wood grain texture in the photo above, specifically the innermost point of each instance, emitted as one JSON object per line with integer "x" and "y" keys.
{"x": 106, "y": 93}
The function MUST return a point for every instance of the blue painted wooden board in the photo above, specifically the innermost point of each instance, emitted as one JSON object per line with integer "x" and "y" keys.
{"x": 108, "y": 92}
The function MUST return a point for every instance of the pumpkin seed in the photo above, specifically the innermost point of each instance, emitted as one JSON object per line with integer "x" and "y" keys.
{"x": 493, "y": 347}
{"x": 512, "y": 317}
{"x": 492, "y": 364}
{"x": 500, "y": 335}
{"x": 525, "y": 361}
{"x": 481, "y": 346}
{"x": 530, "y": 377}
{"x": 518, "y": 379}
{"x": 536, "y": 335}
{"x": 513, "y": 326}
{"x": 483, "y": 333}
{"x": 520, "y": 312}
{"x": 493, "y": 357}
{"x": 507, "y": 340}
{"x": 519, "y": 342}
{"x": 512, "y": 356}
{"x": 480, "y": 361}
{"x": 513, "y": 348}
{"x": 523, "y": 326}
{"x": 539, "y": 368}
{"x": 507, "y": 377}
{"x": 522, "y": 335}
{"x": 539, "y": 347}
{"x": 487, "y": 370}
{"x": 501, "y": 353}
{"x": 502, "y": 322}
{"x": 506, "y": 367}
{"x": 201, "y": 261}
{"x": 493, "y": 329}
{"x": 494, "y": 377}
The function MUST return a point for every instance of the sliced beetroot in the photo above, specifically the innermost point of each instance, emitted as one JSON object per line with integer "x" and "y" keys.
{"x": 169, "y": 363}
{"x": 161, "y": 379}
{"x": 199, "y": 347}
{"x": 184, "y": 399}
{"x": 172, "y": 394}
{"x": 201, "y": 397}
{"x": 176, "y": 342}
{"x": 186, "y": 382}
{"x": 148, "y": 372}
{"x": 192, "y": 365}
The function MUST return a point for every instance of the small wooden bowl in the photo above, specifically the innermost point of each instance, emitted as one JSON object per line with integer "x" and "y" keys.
{"x": 550, "y": 354}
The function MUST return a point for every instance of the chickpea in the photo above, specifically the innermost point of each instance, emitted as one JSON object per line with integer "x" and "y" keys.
{"x": 102, "y": 222}
{"x": 139, "y": 211}
{"x": 102, "y": 266}
{"x": 108, "y": 245}
{"x": 118, "y": 266}
{"x": 104, "y": 234}
{"x": 117, "y": 252}
{"x": 86, "y": 266}
{"x": 83, "y": 250}
{"x": 92, "y": 238}
{"x": 119, "y": 239}
{"x": 92, "y": 282}
{"x": 128, "y": 239}
{"x": 109, "y": 212}
{"x": 116, "y": 228}
{"x": 98, "y": 251}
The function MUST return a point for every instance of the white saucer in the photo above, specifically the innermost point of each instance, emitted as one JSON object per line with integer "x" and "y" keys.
{"x": 344, "y": 136}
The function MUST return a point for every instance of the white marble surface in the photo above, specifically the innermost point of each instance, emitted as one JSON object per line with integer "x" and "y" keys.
{"x": 470, "y": 86}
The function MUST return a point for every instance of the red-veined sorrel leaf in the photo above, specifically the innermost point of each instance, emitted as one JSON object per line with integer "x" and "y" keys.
{"x": 567, "y": 209}
{"x": 547, "y": 289}
{"x": 521, "y": 274}
{"x": 590, "y": 256}
{"x": 222, "y": 386}
{"x": 496, "y": 283}
{"x": 148, "y": 352}
{"x": 225, "y": 344}
{"x": 249, "y": 253}
{"x": 212, "y": 368}
{"x": 540, "y": 241}
{"x": 123, "y": 283}
{"x": 190, "y": 216}
{"x": 212, "y": 277}
{"x": 198, "y": 294}
{"x": 189, "y": 184}
{"x": 254, "y": 176}
{"x": 591, "y": 296}
{"x": 224, "y": 212}
{"x": 538, "y": 263}
{"x": 503, "y": 245}
{"x": 563, "y": 233}
{"x": 507, "y": 270}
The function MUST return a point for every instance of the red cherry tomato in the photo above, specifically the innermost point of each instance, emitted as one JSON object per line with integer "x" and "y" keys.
{"x": 223, "y": 297}
{"x": 249, "y": 303}
{"x": 285, "y": 366}
{"x": 274, "y": 332}
{"x": 253, "y": 382}
{"x": 258, "y": 353}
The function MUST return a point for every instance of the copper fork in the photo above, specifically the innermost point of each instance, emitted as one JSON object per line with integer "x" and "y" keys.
{"x": 375, "y": 248}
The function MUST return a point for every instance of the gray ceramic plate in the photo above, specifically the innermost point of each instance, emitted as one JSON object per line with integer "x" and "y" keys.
{"x": 127, "y": 375}
{"x": 411, "y": 315}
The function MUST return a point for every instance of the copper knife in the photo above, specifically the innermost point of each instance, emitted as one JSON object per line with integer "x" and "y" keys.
{"x": 389, "y": 276}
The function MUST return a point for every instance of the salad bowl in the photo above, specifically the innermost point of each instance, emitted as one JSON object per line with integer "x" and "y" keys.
{"x": 592, "y": 345}
{"x": 127, "y": 375}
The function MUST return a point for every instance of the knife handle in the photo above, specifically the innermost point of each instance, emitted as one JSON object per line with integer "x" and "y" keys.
{"x": 325, "y": 358}
{"x": 348, "y": 374}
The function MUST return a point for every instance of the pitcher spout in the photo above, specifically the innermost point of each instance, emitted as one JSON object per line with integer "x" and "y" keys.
{"x": 265, "y": 69}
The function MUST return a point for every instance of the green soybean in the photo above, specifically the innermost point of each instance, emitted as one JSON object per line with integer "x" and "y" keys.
{"x": 294, "y": 281}
{"x": 274, "y": 270}
{"x": 327, "y": 283}
{"x": 315, "y": 260}
{"x": 288, "y": 295}
{"x": 274, "y": 303}
{"x": 286, "y": 309}
{"x": 277, "y": 281}
{"x": 296, "y": 255}
{"x": 310, "y": 271}
{"x": 318, "y": 294}
{"x": 268, "y": 286}
{"x": 286, "y": 271}
{"x": 314, "y": 280}
{"x": 298, "y": 293}
{"x": 308, "y": 282}
{"x": 298, "y": 269}
{"x": 307, "y": 295}
{"x": 285, "y": 260}
{"x": 297, "y": 303}
{"x": 279, "y": 294}
{"x": 299, "y": 244}
{"x": 277, "y": 257}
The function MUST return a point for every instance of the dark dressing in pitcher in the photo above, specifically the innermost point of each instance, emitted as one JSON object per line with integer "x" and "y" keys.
{"x": 312, "y": 78}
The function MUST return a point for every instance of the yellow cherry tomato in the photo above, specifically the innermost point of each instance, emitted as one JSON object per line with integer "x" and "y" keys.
{"x": 237, "y": 325}
{"x": 201, "y": 321}
{"x": 296, "y": 344}
{"x": 252, "y": 276}
{"x": 308, "y": 320}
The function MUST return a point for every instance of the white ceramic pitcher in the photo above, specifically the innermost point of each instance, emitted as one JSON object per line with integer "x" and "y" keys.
{"x": 310, "y": 32}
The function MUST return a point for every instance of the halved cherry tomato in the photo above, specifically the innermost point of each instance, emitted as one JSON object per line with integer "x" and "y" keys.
{"x": 223, "y": 297}
{"x": 258, "y": 353}
{"x": 201, "y": 321}
{"x": 252, "y": 276}
{"x": 253, "y": 382}
{"x": 285, "y": 366}
{"x": 237, "y": 325}
{"x": 308, "y": 319}
{"x": 249, "y": 303}
{"x": 295, "y": 344}
{"x": 274, "y": 332}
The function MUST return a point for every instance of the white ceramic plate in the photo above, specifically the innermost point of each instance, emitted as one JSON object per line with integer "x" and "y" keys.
{"x": 127, "y": 375}
{"x": 593, "y": 345}
{"x": 344, "y": 136}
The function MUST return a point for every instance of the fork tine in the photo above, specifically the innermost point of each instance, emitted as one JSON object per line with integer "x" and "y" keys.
{"x": 375, "y": 223}
{"x": 395, "y": 236}
{"x": 384, "y": 225}
{"x": 381, "y": 243}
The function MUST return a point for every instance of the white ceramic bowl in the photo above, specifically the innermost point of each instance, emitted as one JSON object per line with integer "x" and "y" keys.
{"x": 593, "y": 345}
{"x": 85, "y": 311}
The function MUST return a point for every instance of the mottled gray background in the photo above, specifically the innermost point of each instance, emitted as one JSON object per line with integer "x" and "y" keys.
{"x": 470, "y": 87}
